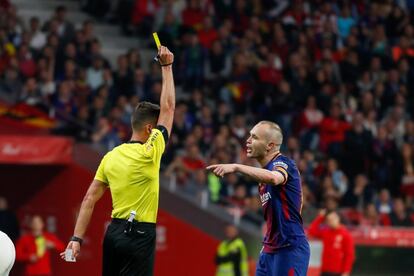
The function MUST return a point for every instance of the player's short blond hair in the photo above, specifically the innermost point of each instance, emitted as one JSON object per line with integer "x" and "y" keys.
{"x": 275, "y": 133}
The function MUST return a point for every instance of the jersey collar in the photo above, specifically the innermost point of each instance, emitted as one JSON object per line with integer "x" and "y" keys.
{"x": 134, "y": 142}
{"x": 274, "y": 157}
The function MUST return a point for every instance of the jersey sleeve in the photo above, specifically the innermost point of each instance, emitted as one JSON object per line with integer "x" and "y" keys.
{"x": 100, "y": 172}
{"x": 281, "y": 167}
{"x": 155, "y": 145}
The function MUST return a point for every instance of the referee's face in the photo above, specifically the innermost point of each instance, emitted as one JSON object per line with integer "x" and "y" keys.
{"x": 256, "y": 144}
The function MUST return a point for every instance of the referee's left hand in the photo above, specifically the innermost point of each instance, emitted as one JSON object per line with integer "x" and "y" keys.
{"x": 75, "y": 246}
{"x": 165, "y": 56}
{"x": 222, "y": 169}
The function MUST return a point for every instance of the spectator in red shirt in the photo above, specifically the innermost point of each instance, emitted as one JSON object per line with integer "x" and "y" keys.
{"x": 403, "y": 49}
{"x": 193, "y": 15}
{"x": 27, "y": 64}
{"x": 270, "y": 73}
{"x": 208, "y": 34}
{"x": 143, "y": 15}
{"x": 338, "y": 246}
{"x": 373, "y": 218}
{"x": 34, "y": 249}
{"x": 332, "y": 130}
{"x": 186, "y": 165}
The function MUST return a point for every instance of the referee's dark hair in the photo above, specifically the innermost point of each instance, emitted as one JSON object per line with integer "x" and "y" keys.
{"x": 144, "y": 113}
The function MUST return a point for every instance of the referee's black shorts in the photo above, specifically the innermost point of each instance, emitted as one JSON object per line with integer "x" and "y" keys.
{"x": 129, "y": 254}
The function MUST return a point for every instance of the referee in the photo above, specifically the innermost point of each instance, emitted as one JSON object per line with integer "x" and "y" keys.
{"x": 131, "y": 172}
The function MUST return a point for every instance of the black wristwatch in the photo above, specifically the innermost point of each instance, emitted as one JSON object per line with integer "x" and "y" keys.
{"x": 77, "y": 239}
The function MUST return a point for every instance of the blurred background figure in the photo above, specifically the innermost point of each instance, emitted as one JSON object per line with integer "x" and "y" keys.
{"x": 338, "y": 247}
{"x": 8, "y": 220}
{"x": 231, "y": 258}
{"x": 34, "y": 248}
{"x": 7, "y": 254}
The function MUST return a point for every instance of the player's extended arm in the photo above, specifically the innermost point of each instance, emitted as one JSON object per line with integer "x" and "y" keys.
{"x": 167, "y": 100}
{"x": 94, "y": 193}
{"x": 257, "y": 174}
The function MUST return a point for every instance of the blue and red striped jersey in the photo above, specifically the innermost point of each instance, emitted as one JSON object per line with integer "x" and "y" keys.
{"x": 282, "y": 206}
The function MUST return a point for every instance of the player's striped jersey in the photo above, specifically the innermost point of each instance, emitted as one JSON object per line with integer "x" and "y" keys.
{"x": 282, "y": 206}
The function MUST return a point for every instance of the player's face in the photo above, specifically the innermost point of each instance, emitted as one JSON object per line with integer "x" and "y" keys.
{"x": 256, "y": 144}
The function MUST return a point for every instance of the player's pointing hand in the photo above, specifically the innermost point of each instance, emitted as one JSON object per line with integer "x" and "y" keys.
{"x": 222, "y": 169}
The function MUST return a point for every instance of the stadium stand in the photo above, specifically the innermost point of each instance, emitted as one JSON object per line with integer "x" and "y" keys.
{"x": 337, "y": 76}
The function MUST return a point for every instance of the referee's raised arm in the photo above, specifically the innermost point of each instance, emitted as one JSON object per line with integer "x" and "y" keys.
{"x": 167, "y": 100}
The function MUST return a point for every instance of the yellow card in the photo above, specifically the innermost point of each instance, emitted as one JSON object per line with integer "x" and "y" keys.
{"x": 157, "y": 40}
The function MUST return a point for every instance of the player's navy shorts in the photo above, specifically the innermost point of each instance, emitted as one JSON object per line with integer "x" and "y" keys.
{"x": 290, "y": 261}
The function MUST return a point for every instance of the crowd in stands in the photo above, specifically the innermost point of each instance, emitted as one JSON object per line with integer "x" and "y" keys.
{"x": 337, "y": 76}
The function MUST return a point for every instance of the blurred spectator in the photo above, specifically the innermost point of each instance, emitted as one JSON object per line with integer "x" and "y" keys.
{"x": 105, "y": 135}
{"x": 183, "y": 166}
{"x": 34, "y": 248}
{"x": 339, "y": 179}
{"x": 27, "y": 64}
{"x": 231, "y": 257}
{"x": 197, "y": 185}
{"x": 58, "y": 23}
{"x": 345, "y": 22}
{"x": 357, "y": 142}
{"x": 384, "y": 202}
{"x": 207, "y": 35}
{"x": 360, "y": 195}
{"x": 399, "y": 215}
{"x": 218, "y": 64}
{"x": 338, "y": 247}
{"x": 123, "y": 78}
{"x": 8, "y": 221}
{"x": 142, "y": 16}
{"x": 331, "y": 203}
{"x": 309, "y": 212}
{"x": 193, "y": 15}
{"x": 192, "y": 63}
{"x": 384, "y": 158}
{"x": 332, "y": 131}
{"x": 239, "y": 198}
{"x": 31, "y": 95}
{"x": 38, "y": 37}
{"x": 373, "y": 218}
{"x": 309, "y": 122}
{"x": 10, "y": 86}
{"x": 95, "y": 73}
{"x": 407, "y": 181}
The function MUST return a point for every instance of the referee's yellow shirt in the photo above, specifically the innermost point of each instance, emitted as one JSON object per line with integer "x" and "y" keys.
{"x": 131, "y": 171}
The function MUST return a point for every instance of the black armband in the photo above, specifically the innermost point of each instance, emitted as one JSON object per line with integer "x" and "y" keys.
{"x": 164, "y": 132}
{"x": 76, "y": 239}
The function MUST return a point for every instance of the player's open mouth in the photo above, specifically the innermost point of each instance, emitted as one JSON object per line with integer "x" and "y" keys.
{"x": 248, "y": 150}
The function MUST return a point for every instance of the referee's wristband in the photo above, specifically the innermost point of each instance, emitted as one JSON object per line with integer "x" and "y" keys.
{"x": 76, "y": 239}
